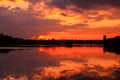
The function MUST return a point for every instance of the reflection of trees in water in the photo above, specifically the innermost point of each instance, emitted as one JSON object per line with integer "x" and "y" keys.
{"x": 113, "y": 50}
{"x": 5, "y": 51}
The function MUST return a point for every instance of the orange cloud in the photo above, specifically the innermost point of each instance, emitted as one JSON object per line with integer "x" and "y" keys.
{"x": 14, "y": 3}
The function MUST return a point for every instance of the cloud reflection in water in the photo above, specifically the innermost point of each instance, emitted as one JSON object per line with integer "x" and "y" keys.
{"x": 61, "y": 64}
{"x": 69, "y": 70}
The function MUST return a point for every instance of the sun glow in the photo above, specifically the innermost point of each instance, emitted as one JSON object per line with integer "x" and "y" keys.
{"x": 44, "y": 37}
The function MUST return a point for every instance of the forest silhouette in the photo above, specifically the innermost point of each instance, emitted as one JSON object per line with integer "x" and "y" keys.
{"x": 109, "y": 44}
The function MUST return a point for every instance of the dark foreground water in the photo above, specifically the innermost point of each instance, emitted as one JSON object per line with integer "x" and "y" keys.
{"x": 58, "y": 63}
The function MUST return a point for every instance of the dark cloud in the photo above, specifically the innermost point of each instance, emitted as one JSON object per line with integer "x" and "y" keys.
{"x": 85, "y": 4}
{"x": 34, "y": 1}
{"x": 77, "y": 26}
{"x": 60, "y": 3}
{"x": 63, "y": 14}
{"x": 24, "y": 23}
{"x": 90, "y": 8}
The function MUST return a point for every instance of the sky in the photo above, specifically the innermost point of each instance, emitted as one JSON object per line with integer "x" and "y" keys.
{"x": 60, "y": 19}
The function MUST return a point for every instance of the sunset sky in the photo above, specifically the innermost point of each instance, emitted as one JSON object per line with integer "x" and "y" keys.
{"x": 60, "y": 19}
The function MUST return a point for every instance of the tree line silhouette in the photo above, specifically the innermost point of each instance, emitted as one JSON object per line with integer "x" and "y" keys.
{"x": 109, "y": 44}
{"x": 6, "y": 40}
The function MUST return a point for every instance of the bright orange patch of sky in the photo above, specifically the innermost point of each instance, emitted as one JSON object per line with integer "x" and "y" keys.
{"x": 15, "y": 3}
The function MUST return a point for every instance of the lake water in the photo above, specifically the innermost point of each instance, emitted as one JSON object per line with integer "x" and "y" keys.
{"x": 58, "y": 63}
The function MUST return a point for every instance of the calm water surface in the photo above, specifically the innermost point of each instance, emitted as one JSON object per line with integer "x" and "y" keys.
{"x": 58, "y": 63}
